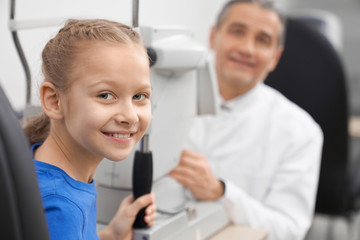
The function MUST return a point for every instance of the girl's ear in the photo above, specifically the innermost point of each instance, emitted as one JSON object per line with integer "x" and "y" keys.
{"x": 50, "y": 101}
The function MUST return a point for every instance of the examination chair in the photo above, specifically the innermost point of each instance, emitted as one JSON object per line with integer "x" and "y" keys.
{"x": 21, "y": 212}
{"x": 310, "y": 73}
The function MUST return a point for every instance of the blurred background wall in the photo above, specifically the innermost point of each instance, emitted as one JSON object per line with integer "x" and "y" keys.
{"x": 197, "y": 15}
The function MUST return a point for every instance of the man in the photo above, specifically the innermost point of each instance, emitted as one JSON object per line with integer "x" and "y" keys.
{"x": 260, "y": 156}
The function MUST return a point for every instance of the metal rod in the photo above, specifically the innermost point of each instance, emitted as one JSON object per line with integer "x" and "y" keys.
{"x": 15, "y": 25}
{"x": 144, "y": 143}
{"x": 135, "y": 13}
{"x": 25, "y": 66}
{"x": 12, "y": 9}
{"x": 21, "y": 55}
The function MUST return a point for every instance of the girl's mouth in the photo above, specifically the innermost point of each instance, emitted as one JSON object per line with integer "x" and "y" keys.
{"x": 119, "y": 135}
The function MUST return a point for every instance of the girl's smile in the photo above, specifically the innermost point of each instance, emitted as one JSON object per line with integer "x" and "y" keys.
{"x": 119, "y": 136}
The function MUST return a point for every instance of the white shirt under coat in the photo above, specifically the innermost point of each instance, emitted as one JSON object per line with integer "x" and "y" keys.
{"x": 267, "y": 150}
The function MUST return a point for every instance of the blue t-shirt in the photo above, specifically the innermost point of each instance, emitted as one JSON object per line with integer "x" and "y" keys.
{"x": 70, "y": 205}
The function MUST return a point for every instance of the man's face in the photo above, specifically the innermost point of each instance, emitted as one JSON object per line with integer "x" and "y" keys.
{"x": 246, "y": 48}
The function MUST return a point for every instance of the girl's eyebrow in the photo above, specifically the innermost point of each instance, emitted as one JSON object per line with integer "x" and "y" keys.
{"x": 145, "y": 87}
{"x": 102, "y": 81}
{"x": 113, "y": 83}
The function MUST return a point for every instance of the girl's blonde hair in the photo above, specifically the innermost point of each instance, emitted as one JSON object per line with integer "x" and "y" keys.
{"x": 59, "y": 53}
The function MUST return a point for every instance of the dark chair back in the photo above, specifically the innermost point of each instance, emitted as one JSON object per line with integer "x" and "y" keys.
{"x": 21, "y": 211}
{"x": 310, "y": 73}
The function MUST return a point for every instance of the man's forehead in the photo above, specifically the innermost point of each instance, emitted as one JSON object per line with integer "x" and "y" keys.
{"x": 252, "y": 15}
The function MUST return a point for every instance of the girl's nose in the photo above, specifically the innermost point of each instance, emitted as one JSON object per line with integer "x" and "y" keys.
{"x": 127, "y": 114}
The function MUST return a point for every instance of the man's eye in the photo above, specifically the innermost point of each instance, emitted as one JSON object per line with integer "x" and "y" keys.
{"x": 139, "y": 97}
{"x": 106, "y": 96}
{"x": 264, "y": 40}
{"x": 237, "y": 32}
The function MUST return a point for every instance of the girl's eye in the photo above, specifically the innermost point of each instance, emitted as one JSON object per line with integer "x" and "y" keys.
{"x": 139, "y": 97}
{"x": 106, "y": 96}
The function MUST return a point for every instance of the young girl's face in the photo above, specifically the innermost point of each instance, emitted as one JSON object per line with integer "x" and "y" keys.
{"x": 107, "y": 109}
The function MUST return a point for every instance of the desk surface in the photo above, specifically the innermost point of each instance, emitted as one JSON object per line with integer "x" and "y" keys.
{"x": 233, "y": 232}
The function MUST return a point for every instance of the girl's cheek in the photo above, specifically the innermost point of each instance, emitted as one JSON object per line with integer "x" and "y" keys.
{"x": 145, "y": 114}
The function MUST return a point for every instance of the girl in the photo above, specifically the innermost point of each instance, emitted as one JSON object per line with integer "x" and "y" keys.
{"x": 96, "y": 103}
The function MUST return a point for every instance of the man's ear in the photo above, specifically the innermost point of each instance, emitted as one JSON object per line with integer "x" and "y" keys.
{"x": 50, "y": 101}
{"x": 212, "y": 37}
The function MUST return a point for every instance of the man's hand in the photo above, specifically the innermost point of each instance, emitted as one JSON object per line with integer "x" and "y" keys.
{"x": 194, "y": 173}
{"x": 120, "y": 227}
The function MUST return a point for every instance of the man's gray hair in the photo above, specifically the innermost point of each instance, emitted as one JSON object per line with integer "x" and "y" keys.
{"x": 265, "y": 4}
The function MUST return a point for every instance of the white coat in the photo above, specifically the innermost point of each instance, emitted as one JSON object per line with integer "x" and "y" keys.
{"x": 267, "y": 150}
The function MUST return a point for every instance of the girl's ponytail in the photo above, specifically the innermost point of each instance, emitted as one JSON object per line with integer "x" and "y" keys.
{"x": 37, "y": 129}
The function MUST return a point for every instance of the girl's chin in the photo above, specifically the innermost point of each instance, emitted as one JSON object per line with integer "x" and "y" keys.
{"x": 119, "y": 157}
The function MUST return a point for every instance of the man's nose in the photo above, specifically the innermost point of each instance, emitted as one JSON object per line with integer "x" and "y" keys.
{"x": 246, "y": 46}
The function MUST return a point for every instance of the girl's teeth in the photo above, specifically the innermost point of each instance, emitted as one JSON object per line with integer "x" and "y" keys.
{"x": 118, "y": 135}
